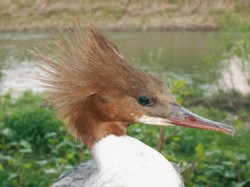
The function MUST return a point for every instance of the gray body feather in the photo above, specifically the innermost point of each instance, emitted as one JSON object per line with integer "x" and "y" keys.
{"x": 78, "y": 176}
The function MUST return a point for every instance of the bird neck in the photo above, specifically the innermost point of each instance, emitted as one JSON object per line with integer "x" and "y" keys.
{"x": 90, "y": 133}
{"x": 91, "y": 121}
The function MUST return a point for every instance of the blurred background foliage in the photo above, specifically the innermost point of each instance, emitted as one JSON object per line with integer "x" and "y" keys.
{"x": 35, "y": 148}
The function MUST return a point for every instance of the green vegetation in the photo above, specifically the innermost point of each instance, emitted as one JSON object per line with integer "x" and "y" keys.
{"x": 35, "y": 149}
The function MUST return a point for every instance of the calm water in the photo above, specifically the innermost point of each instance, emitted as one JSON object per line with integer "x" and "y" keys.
{"x": 184, "y": 55}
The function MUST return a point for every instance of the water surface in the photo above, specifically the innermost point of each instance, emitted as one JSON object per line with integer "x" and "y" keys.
{"x": 170, "y": 55}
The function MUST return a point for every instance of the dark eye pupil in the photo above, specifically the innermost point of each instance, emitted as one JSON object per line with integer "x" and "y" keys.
{"x": 143, "y": 100}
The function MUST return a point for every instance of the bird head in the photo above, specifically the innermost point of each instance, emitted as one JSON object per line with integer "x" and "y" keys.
{"x": 100, "y": 93}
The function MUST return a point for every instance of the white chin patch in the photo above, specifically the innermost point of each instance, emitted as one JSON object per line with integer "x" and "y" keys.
{"x": 154, "y": 121}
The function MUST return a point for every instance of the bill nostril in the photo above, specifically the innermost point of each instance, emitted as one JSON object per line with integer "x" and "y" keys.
{"x": 191, "y": 119}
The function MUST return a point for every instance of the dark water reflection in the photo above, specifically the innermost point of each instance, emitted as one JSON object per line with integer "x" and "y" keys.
{"x": 184, "y": 55}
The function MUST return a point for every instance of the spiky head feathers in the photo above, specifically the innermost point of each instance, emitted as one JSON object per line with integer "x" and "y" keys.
{"x": 91, "y": 82}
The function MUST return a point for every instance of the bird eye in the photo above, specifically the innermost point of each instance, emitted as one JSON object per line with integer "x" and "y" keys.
{"x": 144, "y": 101}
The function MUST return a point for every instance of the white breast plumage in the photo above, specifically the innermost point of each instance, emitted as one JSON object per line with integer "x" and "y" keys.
{"x": 127, "y": 162}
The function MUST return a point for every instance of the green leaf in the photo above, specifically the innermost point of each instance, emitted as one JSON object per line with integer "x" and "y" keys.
{"x": 42, "y": 162}
{"x": 50, "y": 135}
{"x": 228, "y": 153}
{"x": 199, "y": 149}
{"x": 27, "y": 165}
{"x": 25, "y": 144}
{"x": 180, "y": 100}
{"x": 70, "y": 155}
{"x": 230, "y": 174}
{"x": 1, "y": 167}
{"x": 25, "y": 150}
{"x": 50, "y": 171}
{"x": 12, "y": 175}
{"x": 241, "y": 157}
{"x": 6, "y": 132}
{"x": 228, "y": 163}
{"x": 239, "y": 122}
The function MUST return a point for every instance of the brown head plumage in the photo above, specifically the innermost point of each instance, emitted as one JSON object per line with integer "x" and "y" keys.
{"x": 90, "y": 71}
{"x": 98, "y": 90}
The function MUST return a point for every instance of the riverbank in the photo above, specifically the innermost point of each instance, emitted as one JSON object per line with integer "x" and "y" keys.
{"x": 122, "y": 15}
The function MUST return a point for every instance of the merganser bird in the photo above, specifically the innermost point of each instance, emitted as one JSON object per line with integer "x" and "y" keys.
{"x": 100, "y": 93}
